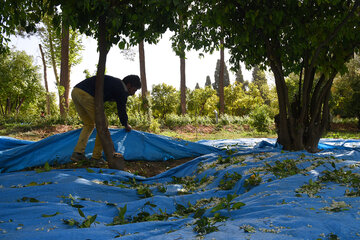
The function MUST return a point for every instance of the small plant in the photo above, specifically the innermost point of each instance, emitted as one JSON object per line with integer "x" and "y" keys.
{"x": 85, "y": 224}
{"x": 46, "y": 168}
{"x": 143, "y": 216}
{"x": 252, "y": 181}
{"x": 260, "y": 118}
{"x": 312, "y": 188}
{"x": 283, "y": 169}
{"x": 189, "y": 183}
{"x": 229, "y": 180}
{"x": 226, "y": 203}
{"x": 120, "y": 218}
{"x": 144, "y": 191}
{"x": 205, "y": 226}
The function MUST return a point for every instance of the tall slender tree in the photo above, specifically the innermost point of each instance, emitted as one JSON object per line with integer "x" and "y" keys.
{"x": 260, "y": 81}
{"x": 48, "y": 99}
{"x": 239, "y": 78}
{"x": 64, "y": 71}
{"x": 215, "y": 84}
{"x": 208, "y": 81}
{"x": 62, "y": 49}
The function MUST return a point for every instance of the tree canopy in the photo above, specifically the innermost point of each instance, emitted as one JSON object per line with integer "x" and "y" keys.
{"x": 21, "y": 14}
{"x": 20, "y": 82}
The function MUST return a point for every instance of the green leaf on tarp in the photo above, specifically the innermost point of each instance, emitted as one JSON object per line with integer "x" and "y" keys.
{"x": 90, "y": 170}
{"x": 81, "y": 213}
{"x": 50, "y": 215}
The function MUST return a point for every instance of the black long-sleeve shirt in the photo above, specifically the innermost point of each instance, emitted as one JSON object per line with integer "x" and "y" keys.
{"x": 114, "y": 91}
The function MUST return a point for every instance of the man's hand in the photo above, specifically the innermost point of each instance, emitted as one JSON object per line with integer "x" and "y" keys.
{"x": 128, "y": 128}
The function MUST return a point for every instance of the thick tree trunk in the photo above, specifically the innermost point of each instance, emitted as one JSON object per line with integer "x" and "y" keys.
{"x": 182, "y": 85}
{"x": 221, "y": 79}
{"x": 115, "y": 160}
{"x": 64, "y": 71}
{"x": 45, "y": 80}
{"x": 303, "y": 124}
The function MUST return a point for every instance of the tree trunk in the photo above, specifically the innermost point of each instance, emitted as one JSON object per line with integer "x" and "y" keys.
{"x": 221, "y": 78}
{"x": 53, "y": 61}
{"x": 115, "y": 160}
{"x": 46, "y": 83}
{"x": 182, "y": 68}
{"x": 144, "y": 90}
{"x": 183, "y": 85}
{"x": 302, "y": 123}
{"x": 64, "y": 72}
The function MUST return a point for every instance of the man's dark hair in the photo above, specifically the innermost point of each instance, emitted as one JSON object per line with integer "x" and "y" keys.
{"x": 134, "y": 81}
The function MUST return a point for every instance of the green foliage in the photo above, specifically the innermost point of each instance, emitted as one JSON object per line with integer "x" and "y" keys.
{"x": 202, "y": 102}
{"x": 204, "y": 226}
{"x": 165, "y": 100}
{"x": 340, "y": 176}
{"x": 283, "y": 169}
{"x": 120, "y": 218}
{"x": 260, "y": 118}
{"x": 284, "y": 37}
{"x": 86, "y": 223}
{"x": 252, "y": 181}
{"x": 228, "y": 204}
{"x": 174, "y": 120}
{"x": 229, "y": 180}
{"x": 20, "y": 83}
{"x": 260, "y": 81}
{"x": 46, "y": 168}
{"x": 21, "y": 16}
{"x": 239, "y": 102}
{"x": 346, "y": 91}
{"x": 215, "y": 85}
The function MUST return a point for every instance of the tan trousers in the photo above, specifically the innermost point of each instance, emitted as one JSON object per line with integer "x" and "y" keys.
{"x": 85, "y": 106}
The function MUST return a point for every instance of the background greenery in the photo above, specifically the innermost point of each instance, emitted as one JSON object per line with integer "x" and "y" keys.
{"x": 252, "y": 106}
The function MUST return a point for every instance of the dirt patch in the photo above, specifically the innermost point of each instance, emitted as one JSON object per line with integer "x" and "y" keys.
{"x": 344, "y": 127}
{"x": 192, "y": 129}
{"x": 142, "y": 168}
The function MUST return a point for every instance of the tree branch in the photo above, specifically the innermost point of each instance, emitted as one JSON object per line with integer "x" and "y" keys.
{"x": 334, "y": 33}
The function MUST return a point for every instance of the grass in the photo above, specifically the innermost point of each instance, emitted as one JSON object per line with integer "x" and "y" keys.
{"x": 222, "y": 134}
{"x": 343, "y": 135}
{"x": 40, "y": 130}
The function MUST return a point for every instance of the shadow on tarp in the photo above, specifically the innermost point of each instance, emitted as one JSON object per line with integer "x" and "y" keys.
{"x": 35, "y": 205}
{"x": 135, "y": 145}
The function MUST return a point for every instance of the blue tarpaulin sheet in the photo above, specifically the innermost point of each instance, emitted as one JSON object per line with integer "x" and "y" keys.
{"x": 232, "y": 189}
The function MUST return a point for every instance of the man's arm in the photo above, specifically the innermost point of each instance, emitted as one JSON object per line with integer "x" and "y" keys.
{"x": 123, "y": 117}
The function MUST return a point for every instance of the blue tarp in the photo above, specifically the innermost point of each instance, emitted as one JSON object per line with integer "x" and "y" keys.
{"x": 19, "y": 154}
{"x": 251, "y": 189}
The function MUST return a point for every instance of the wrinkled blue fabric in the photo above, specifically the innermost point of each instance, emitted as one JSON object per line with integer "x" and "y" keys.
{"x": 135, "y": 145}
{"x": 36, "y": 205}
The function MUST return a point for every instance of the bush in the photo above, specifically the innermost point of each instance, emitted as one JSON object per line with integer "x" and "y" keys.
{"x": 154, "y": 126}
{"x": 260, "y": 119}
{"x": 174, "y": 120}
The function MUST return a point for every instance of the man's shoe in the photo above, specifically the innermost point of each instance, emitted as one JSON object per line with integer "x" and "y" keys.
{"x": 76, "y": 157}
